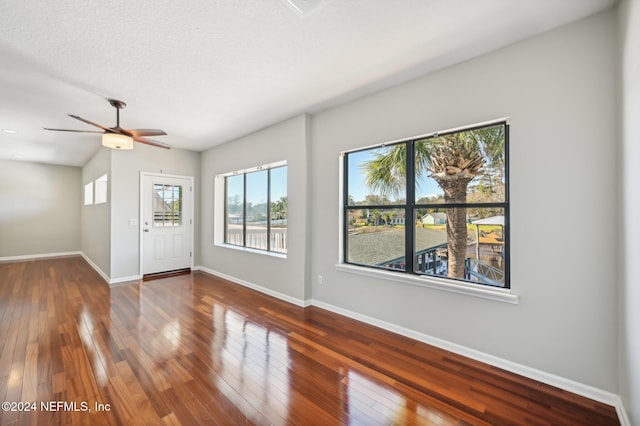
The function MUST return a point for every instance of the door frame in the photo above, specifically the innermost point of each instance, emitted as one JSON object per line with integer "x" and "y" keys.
{"x": 143, "y": 175}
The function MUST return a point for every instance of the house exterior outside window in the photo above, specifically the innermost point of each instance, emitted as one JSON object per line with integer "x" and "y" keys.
{"x": 255, "y": 212}
{"x": 436, "y": 205}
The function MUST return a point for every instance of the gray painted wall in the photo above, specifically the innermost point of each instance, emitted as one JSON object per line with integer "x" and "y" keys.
{"x": 107, "y": 238}
{"x": 285, "y": 141}
{"x": 125, "y": 191}
{"x": 559, "y": 91}
{"x": 629, "y": 15}
{"x": 39, "y": 209}
{"x": 96, "y": 219}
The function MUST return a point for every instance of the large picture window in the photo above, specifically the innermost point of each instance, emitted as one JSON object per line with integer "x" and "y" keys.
{"x": 256, "y": 209}
{"x": 435, "y": 205}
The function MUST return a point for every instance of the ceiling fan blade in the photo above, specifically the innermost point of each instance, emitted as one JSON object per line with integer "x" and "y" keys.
{"x": 77, "y": 131}
{"x": 146, "y": 132}
{"x": 138, "y": 135}
{"x": 106, "y": 129}
{"x": 151, "y": 142}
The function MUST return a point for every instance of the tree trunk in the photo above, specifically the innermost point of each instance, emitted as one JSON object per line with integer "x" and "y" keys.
{"x": 455, "y": 191}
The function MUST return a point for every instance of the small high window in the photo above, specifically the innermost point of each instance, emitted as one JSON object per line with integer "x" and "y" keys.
{"x": 88, "y": 194}
{"x": 100, "y": 186}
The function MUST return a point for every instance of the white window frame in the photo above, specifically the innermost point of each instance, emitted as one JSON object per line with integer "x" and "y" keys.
{"x": 486, "y": 292}
{"x": 100, "y": 192}
{"x": 219, "y": 209}
{"x": 88, "y": 194}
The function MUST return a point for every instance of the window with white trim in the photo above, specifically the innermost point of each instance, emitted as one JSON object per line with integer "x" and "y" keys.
{"x": 255, "y": 210}
{"x": 88, "y": 194}
{"x": 436, "y": 205}
{"x": 100, "y": 186}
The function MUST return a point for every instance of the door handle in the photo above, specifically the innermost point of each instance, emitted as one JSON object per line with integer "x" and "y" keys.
{"x": 146, "y": 230}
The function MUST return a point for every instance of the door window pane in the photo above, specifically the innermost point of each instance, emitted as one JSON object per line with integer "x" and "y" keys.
{"x": 167, "y": 205}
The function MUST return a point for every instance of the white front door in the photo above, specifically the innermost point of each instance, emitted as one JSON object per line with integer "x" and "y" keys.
{"x": 167, "y": 222}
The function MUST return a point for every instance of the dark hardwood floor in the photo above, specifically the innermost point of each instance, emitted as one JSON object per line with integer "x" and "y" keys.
{"x": 195, "y": 350}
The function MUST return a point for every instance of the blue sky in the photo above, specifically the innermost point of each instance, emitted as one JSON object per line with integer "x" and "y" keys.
{"x": 257, "y": 185}
{"x": 358, "y": 188}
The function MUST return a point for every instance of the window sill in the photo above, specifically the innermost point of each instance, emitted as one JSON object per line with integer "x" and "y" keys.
{"x": 256, "y": 251}
{"x": 491, "y": 293}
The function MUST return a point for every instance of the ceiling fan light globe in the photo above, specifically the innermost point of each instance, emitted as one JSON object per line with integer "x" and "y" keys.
{"x": 116, "y": 141}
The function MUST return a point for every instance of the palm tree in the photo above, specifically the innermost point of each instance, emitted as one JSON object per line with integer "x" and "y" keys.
{"x": 279, "y": 208}
{"x": 376, "y": 216}
{"x": 452, "y": 160}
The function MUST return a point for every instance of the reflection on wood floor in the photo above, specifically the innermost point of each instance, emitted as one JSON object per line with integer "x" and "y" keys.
{"x": 195, "y": 349}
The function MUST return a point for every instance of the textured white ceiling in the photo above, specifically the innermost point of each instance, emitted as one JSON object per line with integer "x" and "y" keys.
{"x": 210, "y": 71}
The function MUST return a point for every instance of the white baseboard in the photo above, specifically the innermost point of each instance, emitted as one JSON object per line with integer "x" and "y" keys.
{"x": 96, "y": 268}
{"x": 261, "y": 289}
{"x": 106, "y": 277}
{"x": 569, "y": 385}
{"x": 541, "y": 376}
{"x": 622, "y": 414}
{"x": 38, "y": 256}
{"x": 72, "y": 253}
{"x": 125, "y": 279}
{"x": 577, "y": 388}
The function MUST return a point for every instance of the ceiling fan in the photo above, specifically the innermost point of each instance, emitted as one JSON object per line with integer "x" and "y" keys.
{"x": 117, "y": 137}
